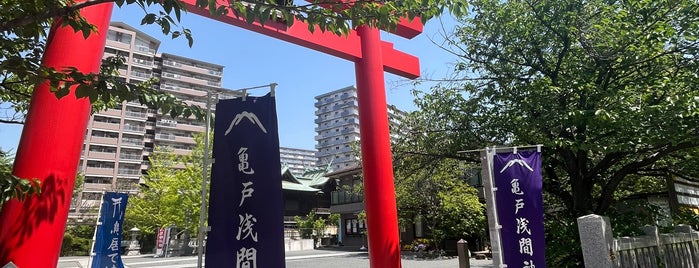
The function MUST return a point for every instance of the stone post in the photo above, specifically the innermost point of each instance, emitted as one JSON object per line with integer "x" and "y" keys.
{"x": 596, "y": 241}
{"x": 462, "y": 249}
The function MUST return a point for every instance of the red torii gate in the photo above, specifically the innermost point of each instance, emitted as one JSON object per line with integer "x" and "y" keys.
{"x": 31, "y": 232}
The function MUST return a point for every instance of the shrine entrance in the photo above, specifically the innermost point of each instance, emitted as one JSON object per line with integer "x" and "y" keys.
{"x": 49, "y": 150}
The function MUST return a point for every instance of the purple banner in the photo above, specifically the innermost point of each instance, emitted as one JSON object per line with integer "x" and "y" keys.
{"x": 246, "y": 213}
{"x": 520, "y": 208}
{"x": 107, "y": 248}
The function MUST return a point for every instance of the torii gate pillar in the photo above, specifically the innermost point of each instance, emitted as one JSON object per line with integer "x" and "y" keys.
{"x": 379, "y": 191}
{"x": 31, "y": 232}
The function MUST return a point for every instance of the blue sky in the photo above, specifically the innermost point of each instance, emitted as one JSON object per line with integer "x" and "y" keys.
{"x": 252, "y": 59}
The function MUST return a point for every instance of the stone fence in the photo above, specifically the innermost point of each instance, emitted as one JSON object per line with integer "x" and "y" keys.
{"x": 601, "y": 250}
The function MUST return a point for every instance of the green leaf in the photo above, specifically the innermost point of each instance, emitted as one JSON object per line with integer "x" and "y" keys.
{"x": 62, "y": 92}
{"x": 165, "y": 26}
{"x": 148, "y": 19}
{"x": 82, "y": 91}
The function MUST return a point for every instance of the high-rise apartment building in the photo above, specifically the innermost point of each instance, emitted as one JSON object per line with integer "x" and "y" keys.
{"x": 297, "y": 160}
{"x": 118, "y": 141}
{"x": 337, "y": 127}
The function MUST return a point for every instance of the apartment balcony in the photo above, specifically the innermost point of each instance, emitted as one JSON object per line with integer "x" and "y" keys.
{"x": 103, "y": 140}
{"x": 99, "y": 171}
{"x": 135, "y": 104}
{"x": 192, "y": 128}
{"x": 142, "y": 62}
{"x": 135, "y": 158}
{"x": 165, "y": 136}
{"x": 322, "y": 111}
{"x": 132, "y": 141}
{"x": 328, "y": 100}
{"x": 185, "y": 91}
{"x": 192, "y": 80}
{"x": 194, "y": 69}
{"x": 350, "y": 130}
{"x": 332, "y": 143}
{"x": 141, "y": 75}
{"x": 136, "y": 115}
{"x": 101, "y": 155}
{"x": 166, "y": 124}
{"x": 111, "y": 112}
{"x": 117, "y": 44}
{"x": 129, "y": 171}
{"x": 97, "y": 186}
{"x": 144, "y": 50}
{"x": 134, "y": 129}
{"x": 350, "y": 112}
{"x": 105, "y": 126}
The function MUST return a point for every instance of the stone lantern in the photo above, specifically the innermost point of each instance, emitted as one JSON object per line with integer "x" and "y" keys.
{"x": 134, "y": 248}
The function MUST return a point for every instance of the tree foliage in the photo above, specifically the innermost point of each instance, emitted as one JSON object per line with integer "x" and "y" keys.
{"x": 77, "y": 240}
{"x": 314, "y": 226}
{"x": 609, "y": 88}
{"x": 24, "y": 27}
{"x": 171, "y": 194}
{"x": 436, "y": 193}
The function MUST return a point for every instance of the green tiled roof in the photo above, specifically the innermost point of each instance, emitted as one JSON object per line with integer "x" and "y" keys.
{"x": 297, "y": 187}
{"x": 310, "y": 181}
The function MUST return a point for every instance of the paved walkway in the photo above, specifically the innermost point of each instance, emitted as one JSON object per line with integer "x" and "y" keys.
{"x": 323, "y": 258}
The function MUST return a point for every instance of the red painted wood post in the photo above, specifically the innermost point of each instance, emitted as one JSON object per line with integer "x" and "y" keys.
{"x": 377, "y": 165}
{"x": 31, "y": 232}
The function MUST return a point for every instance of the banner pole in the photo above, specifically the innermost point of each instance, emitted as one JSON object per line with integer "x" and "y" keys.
{"x": 94, "y": 235}
{"x": 494, "y": 224}
{"x": 205, "y": 168}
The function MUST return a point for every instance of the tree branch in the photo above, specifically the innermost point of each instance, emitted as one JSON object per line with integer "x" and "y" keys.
{"x": 606, "y": 197}
{"x": 48, "y": 14}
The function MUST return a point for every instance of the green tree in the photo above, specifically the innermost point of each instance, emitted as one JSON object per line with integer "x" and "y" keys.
{"x": 171, "y": 194}
{"x": 437, "y": 194}
{"x": 77, "y": 240}
{"x": 314, "y": 226}
{"x": 608, "y": 87}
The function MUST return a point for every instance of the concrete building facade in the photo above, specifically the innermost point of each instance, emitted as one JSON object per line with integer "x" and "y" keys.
{"x": 297, "y": 160}
{"x": 337, "y": 127}
{"x": 118, "y": 141}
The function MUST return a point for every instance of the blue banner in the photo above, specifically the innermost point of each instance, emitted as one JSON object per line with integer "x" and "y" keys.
{"x": 520, "y": 208}
{"x": 246, "y": 212}
{"x": 107, "y": 248}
